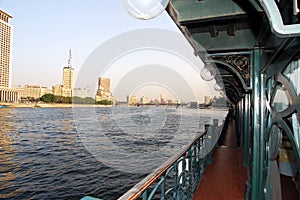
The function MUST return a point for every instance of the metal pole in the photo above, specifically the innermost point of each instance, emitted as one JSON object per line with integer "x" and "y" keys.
{"x": 247, "y": 102}
{"x": 242, "y": 124}
{"x": 258, "y": 142}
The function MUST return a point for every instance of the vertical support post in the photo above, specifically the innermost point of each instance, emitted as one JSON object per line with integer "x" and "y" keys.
{"x": 175, "y": 178}
{"x": 163, "y": 188}
{"x": 247, "y": 104}
{"x": 258, "y": 137}
{"x": 189, "y": 175}
{"x": 263, "y": 152}
{"x": 242, "y": 124}
{"x": 145, "y": 195}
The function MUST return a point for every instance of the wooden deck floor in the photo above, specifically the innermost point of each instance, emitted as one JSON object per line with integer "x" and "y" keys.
{"x": 226, "y": 177}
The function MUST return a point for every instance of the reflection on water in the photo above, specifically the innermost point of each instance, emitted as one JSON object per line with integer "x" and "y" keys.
{"x": 43, "y": 157}
{"x": 8, "y": 165}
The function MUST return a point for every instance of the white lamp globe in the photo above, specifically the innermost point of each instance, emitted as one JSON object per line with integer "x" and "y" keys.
{"x": 145, "y": 9}
{"x": 208, "y": 72}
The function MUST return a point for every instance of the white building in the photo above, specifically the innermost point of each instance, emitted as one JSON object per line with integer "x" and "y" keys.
{"x": 144, "y": 100}
{"x": 82, "y": 92}
{"x": 34, "y": 91}
{"x": 7, "y": 94}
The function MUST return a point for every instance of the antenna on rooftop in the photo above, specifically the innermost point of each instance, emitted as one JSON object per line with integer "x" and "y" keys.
{"x": 70, "y": 59}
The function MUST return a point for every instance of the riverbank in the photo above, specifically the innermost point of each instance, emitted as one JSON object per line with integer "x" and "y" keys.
{"x": 52, "y": 105}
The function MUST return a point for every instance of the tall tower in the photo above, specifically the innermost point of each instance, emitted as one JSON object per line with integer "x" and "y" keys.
{"x": 7, "y": 94}
{"x": 5, "y": 49}
{"x": 68, "y": 77}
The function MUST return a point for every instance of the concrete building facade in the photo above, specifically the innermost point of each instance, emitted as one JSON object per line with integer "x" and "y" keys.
{"x": 103, "y": 92}
{"x": 145, "y": 100}
{"x": 68, "y": 82}
{"x": 68, "y": 78}
{"x": 5, "y": 49}
{"x": 7, "y": 94}
{"x": 82, "y": 92}
{"x": 57, "y": 90}
{"x": 34, "y": 91}
{"x": 67, "y": 87}
{"x": 163, "y": 99}
{"x": 133, "y": 100}
{"x": 207, "y": 99}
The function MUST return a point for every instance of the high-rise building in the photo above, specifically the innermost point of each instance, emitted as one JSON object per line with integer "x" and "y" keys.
{"x": 5, "y": 49}
{"x": 103, "y": 92}
{"x": 207, "y": 99}
{"x": 68, "y": 78}
{"x": 7, "y": 94}
{"x": 67, "y": 87}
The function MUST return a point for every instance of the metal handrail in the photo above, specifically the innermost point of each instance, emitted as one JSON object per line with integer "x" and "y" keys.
{"x": 190, "y": 157}
{"x": 187, "y": 166}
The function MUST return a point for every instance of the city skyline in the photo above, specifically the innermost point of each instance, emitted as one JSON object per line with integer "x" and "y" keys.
{"x": 56, "y": 29}
{"x": 42, "y": 53}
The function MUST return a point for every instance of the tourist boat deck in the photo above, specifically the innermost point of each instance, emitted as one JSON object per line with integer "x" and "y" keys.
{"x": 251, "y": 49}
{"x": 225, "y": 177}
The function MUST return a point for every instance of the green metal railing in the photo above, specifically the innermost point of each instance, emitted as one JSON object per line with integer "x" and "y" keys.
{"x": 180, "y": 176}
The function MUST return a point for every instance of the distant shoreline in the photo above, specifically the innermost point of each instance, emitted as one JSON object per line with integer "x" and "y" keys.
{"x": 52, "y": 105}
{"x": 64, "y": 105}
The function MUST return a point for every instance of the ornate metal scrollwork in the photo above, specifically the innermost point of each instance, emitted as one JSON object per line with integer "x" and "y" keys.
{"x": 282, "y": 96}
{"x": 240, "y": 63}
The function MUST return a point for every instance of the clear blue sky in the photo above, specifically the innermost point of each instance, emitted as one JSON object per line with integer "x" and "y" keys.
{"x": 45, "y": 30}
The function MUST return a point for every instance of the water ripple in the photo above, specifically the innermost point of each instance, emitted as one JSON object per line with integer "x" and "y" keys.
{"x": 42, "y": 156}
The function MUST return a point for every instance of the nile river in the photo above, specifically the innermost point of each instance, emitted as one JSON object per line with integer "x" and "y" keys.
{"x": 65, "y": 153}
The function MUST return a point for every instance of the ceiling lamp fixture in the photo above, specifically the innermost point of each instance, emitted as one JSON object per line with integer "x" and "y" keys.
{"x": 145, "y": 9}
{"x": 208, "y": 72}
{"x": 218, "y": 87}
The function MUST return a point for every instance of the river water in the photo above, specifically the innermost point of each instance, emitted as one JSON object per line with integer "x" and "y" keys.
{"x": 65, "y": 153}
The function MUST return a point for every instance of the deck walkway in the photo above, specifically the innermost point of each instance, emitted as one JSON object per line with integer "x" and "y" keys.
{"x": 226, "y": 177}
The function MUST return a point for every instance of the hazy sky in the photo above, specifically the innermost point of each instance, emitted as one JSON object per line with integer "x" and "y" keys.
{"x": 45, "y": 30}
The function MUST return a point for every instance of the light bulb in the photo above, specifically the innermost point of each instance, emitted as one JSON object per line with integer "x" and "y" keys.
{"x": 145, "y": 9}
{"x": 218, "y": 87}
{"x": 208, "y": 73}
